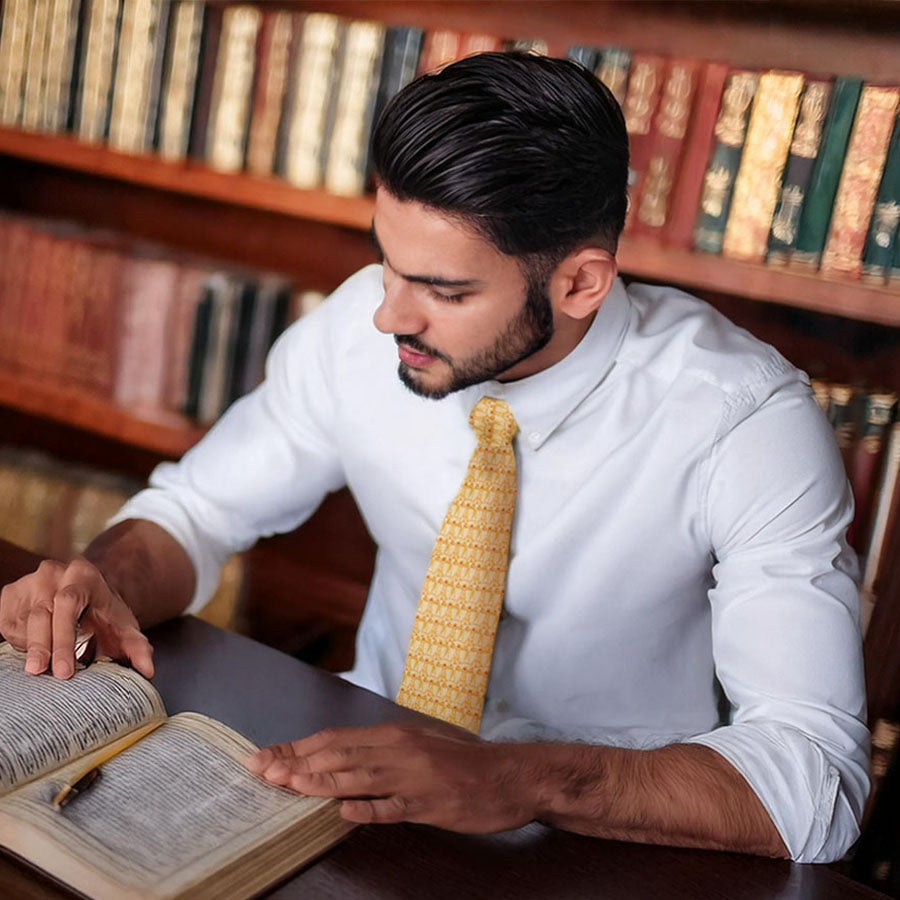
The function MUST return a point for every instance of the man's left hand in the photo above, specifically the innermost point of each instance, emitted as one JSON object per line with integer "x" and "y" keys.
{"x": 433, "y": 774}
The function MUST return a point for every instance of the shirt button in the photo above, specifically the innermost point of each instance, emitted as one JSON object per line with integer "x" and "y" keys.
{"x": 534, "y": 437}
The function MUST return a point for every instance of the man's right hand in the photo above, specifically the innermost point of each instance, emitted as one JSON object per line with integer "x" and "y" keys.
{"x": 42, "y": 612}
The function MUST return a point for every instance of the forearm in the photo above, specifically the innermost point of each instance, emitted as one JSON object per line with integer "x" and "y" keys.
{"x": 684, "y": 794}
{"x": 146, "y": 567}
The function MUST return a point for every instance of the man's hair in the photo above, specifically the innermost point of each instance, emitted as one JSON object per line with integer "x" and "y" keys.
{"x": 530, "y": 151}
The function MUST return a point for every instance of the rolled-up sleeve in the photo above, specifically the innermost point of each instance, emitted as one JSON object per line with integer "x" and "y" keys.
{"x": 263, "y": 468}
{"x": 785, "y": 621}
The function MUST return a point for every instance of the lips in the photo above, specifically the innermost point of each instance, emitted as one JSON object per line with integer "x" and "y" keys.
{"x": 411, "y": 358}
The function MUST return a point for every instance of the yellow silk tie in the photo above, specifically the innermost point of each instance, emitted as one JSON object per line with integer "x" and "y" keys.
{"x": 452, "y": 640}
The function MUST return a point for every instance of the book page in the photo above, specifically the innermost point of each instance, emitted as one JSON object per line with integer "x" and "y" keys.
{"x": 45, "y": 721}
{"x": 165, "y": 813}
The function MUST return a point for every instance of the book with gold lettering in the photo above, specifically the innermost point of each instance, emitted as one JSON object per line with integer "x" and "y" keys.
{"x": 173, "y": 813}
{"x": 884, "y": 228}
{"x": 718, "y": 182}
{"x": 612, "y": 68}
{"x": 758, "y": 180}
{"x": 860, "y": 177}
{"x": 645, "y": 85}
{"x": 805, "y": 146}
{"x": 654, "y": 191}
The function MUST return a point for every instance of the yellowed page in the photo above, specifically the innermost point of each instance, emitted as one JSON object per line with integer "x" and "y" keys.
{"x": 45, "y": 721}
{"x": 164, "y": 816}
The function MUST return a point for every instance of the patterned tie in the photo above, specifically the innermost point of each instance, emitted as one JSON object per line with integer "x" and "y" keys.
{"x": 452, "y": 640}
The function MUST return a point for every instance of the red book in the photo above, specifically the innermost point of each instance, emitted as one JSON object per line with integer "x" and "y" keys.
{"x": 31, "y": 323}
{"x": 470, "y": 44}
{"x": 439, "y": 48}
{"x": 653, "y": 193}
{"x": 644, "y": 89}
{"x": 57, "y": 298}
{"x": 679, "y": 227}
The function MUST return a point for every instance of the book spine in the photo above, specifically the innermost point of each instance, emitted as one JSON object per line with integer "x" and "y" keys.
{"x": 881, "y": 240}
{"x": 209, "y": 54}
{"x": 158, "y": 39}
{"x": 718, "y": 181}
{"x": 311, "y": 99}
{"x": 61, "y": 63}
{"x": 654, "y": 193}
{"x": 843, "y": 419}
{"x": 345, "y": 171}
{"x": 645, "y": 84}
{"x": 19, "y": 242}
{"x": 805, "y": 147}
{"x": 233, "y": 89}
{"x": 440, "y": 48}
{"x": 679, "y": 228}
{"x": 816, "y": 213}
{"x": 276, "y": 34}
{"x": 402, "y": 48}
{"x": 58, "y": 290}
{"x": 179, "y": 79}
{"x": 129, "y": 83}
{"x": 762, "y": 165}
{"x": 613, "y": 69}
{"x": 470, "y": 44}
{"x": 98, "y": 65}
{"x": 240, "y": 341}
{"x": 584, "y": 56}
{"x": 866, "y": 457}
{"x": 883, "y": 533}
{"x": 862, "y": 171}
{"x": 32, "y": 322}
{"x": 15, "y": 38}
{"x": 36, "y": 71}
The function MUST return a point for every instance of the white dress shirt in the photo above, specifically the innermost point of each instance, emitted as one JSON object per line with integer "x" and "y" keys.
{"x": 679, "y": 532}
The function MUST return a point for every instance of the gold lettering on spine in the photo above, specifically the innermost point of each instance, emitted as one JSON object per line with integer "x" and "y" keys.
{"x": 638, "y": 111}
{"x": 736, "y": 101}
{"x": 810, "y": 120}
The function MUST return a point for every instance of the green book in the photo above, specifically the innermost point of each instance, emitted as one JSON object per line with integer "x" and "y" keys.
{"x": 883, "y": 228}
{"x": 823, "y": 184}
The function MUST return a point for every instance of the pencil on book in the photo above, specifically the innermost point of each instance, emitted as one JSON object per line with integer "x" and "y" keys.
{"x": 87, "y": 775}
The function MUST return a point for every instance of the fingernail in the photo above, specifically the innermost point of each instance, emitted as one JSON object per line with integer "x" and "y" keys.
{"x": 32, "y": 665}
{"x": 62, "y": 669}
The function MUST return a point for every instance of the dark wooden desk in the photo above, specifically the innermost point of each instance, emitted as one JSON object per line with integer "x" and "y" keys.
{"x": 271, "y": 697}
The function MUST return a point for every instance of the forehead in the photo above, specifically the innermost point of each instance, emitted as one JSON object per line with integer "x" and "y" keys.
{"x": 419, "y": 239}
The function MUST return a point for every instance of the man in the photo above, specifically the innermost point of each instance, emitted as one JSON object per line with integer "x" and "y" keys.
{"x": 677, "y": 659}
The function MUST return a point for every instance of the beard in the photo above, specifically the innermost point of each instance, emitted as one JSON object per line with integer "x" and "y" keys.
{"x": 527, "y": 332}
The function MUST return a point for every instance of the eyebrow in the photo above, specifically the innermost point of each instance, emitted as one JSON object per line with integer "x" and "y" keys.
{"x": 432, "y": 280}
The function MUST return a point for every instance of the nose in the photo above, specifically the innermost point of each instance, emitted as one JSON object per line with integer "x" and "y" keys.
{"x": 399, "y": 311}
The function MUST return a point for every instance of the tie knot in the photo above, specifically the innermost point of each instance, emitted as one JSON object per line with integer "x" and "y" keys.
{"x": 493, "y": 422}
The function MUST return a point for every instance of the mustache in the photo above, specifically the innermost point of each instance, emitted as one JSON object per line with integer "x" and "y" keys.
{"x": 411, "y": 341}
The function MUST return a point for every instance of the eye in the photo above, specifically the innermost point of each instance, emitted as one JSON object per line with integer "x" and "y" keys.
{"x": 445, "y": 298}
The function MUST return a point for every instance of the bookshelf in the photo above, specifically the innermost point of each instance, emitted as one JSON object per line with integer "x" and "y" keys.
{"x": 321, "y": 239}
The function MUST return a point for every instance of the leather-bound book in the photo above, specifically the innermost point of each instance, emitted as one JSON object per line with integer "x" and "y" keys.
{"x": 863, "y": 167}
{"x": 805, "y": 146}
{"x": 61, "y": 65}
{"x": 765, "y": 153}
{"x": 313, "y": 83}
{"x": 881, "y": 241}
{"x": 440, "y": 48}
{"x": 470, "y": 44}
{"x": 402, "y": 49}
{"x": 865, "y": 462}
{"x": 823, "y": 182}
{"x": 275, "y": 37}
{"x": 665, "y": 147}
{"x": 206, "y": 75}
{"x": 229, "y": 117}
{"x": 13, "y": 288}
{"x": 51, "y": 367}
{"x": 357, "y": 92}
{"x": 613, "y": 67}
{"x": 679, "y": 228}
{"x": 15, "y": 31}
{"x": 36, "y": 68}
{"x": 718, "y": 180}
{"x": 584, "y": 55}
{"x": 179, "y": 79}
{"x": 96, "y": 66}
{"x": 33, "y": 304}
{"x": 842, "y": 414}
{"x": 645, "y": 85}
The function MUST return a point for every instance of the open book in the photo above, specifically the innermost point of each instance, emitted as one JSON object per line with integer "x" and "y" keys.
{"x": 174, "y": 815}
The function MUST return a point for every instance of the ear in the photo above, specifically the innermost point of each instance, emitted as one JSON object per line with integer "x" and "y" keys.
{"x": 586, "y": 277}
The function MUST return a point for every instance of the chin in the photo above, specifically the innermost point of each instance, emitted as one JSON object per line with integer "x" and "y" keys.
{"x": 416, "y": 383}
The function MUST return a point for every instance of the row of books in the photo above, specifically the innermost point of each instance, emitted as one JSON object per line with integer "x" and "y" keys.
{"x": 134, "y": 323}
{"x": 57, "y": 508}
{"x": 768, "y": 166}
{"x": 867, "y": 428}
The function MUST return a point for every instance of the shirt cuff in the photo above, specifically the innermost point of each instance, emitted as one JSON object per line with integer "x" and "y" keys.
{"x": 796, "y": 782}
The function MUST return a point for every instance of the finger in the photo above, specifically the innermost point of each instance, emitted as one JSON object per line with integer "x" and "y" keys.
{"x": 378, "y": 811}
{"x": 137, "y": 651}
{"x": 38, "y": 636}
{"x": 373, "y": 736}
{"x": 355, "y": 783}
{"x": 68, "y": 603}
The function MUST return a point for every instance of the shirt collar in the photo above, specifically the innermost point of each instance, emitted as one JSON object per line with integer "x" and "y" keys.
{"x": 543, "y": 401}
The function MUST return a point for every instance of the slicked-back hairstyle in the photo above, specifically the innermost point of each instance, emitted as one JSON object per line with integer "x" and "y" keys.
{"x": 530, "y": 151}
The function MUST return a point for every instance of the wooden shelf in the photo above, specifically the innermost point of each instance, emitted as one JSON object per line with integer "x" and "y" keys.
{"x": 269, "y": 194}
{"x": 638, "y": 258}
{"x": 167, "y": 434}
